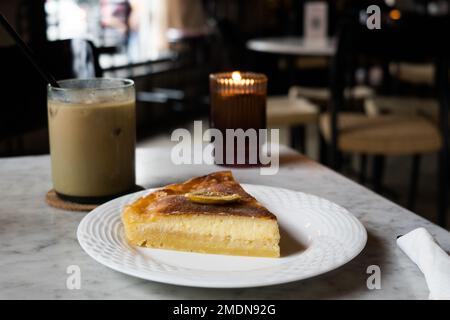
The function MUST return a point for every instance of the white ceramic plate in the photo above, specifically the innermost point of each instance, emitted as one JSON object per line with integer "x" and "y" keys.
{"x": 316, "y": 236}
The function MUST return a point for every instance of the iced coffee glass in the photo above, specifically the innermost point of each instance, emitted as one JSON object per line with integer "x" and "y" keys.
{"x": 92, "y": 128}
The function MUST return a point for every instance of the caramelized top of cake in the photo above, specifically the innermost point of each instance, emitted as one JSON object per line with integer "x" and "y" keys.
{"x": 171, "y": 199}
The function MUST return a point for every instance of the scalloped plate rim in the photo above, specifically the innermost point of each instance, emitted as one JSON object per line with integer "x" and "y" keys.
{"x": 165, "y": 277}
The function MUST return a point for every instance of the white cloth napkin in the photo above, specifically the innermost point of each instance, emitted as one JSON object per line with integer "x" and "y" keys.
{"x": 434, "y": 262}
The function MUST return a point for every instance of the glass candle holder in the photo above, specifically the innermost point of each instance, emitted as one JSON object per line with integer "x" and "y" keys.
{"x": 238, "y": 101}
{"x": 92, "y": 128}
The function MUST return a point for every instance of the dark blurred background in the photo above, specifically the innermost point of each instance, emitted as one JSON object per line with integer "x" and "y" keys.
{"x": 369, "y": 102}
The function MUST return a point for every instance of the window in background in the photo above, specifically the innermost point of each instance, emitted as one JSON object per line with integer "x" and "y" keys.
{"x": 126, "y": 31}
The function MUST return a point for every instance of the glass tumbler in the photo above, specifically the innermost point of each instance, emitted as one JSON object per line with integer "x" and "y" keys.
{"x": 92, "y": 129}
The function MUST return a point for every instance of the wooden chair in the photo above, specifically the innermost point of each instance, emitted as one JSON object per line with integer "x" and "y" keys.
{"x": 321, "y": 95}
{"x": 402, "y": 105}
{"x": 414, "y": 73}
{"x": 383, "y": 135}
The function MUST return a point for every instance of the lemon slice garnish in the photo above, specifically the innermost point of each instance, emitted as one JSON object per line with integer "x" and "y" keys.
{"x": 211, "y": 197}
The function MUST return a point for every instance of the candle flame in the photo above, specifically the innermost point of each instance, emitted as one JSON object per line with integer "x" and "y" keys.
{"x": 236, "y": 76}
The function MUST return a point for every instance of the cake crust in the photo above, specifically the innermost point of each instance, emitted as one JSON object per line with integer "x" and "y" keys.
{"x": 170, "y": 200}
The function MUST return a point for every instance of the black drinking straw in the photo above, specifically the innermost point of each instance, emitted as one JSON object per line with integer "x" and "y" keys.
{"x": 27, "y": 52}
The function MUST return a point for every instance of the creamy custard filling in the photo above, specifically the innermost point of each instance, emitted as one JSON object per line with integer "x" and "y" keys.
{"x": 235, "y": 227}
{"x": 232, "y": 235}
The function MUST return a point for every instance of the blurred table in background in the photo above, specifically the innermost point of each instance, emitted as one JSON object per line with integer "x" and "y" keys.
{"x": 293, "y": 113}
{"x": 294, "y": 46}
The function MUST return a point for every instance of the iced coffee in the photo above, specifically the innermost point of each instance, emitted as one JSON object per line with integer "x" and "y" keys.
{"x": 92, "y": 138}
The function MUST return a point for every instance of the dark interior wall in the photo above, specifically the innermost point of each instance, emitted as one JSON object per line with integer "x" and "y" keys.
{"x": 28, "y": 18}
{"x": 256, "y": 17}
{"x": 267, "y": 17}
{"x": 9, "y": 8}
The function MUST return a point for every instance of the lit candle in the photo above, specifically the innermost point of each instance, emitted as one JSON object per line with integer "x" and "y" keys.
{"x": 238, "y": 101}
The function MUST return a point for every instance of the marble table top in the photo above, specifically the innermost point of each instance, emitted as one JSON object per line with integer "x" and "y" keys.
{"x": 38, "y": 243}
{"x": 294, "y": 46}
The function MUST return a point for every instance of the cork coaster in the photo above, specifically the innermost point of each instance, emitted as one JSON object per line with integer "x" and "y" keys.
{"x": 53, "y": 200}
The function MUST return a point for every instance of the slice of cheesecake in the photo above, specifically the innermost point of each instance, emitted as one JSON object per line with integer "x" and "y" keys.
{"x": 209, "y": 214}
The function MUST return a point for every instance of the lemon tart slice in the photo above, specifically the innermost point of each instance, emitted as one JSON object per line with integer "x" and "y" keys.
{"x": 208, "y": 214}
